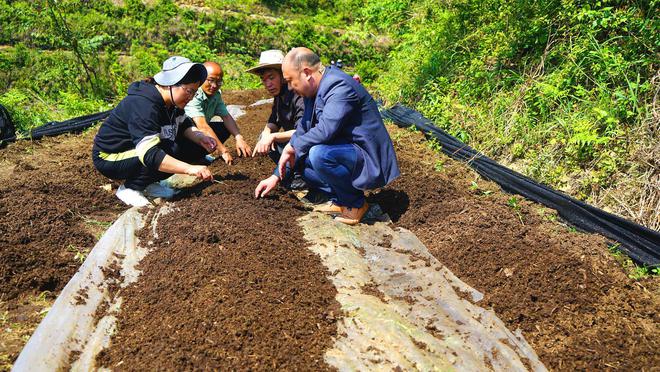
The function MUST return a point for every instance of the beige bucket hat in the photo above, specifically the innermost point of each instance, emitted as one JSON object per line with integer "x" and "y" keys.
{"x": 269, "y": 59}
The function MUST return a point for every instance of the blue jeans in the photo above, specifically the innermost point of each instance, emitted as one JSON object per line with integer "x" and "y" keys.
{"x": 329, "y": 168}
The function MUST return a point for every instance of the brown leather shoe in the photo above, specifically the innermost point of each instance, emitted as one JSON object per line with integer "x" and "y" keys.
{"x": 352, "y": 216}
{"x": 329, "y": 207}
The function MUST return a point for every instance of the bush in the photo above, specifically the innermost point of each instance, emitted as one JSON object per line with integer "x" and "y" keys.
{"x": 25, "y": 111}
{"x": 559, "y": 87}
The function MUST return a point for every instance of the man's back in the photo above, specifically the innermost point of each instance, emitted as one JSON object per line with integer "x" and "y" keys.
{"x": 344, "y": 112}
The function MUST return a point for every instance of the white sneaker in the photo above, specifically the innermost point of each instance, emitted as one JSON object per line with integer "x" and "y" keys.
{"x": 156, "y": 190}
{"x": 131, "y": 197}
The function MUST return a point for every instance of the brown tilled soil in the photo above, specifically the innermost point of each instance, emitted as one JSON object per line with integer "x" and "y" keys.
{"x": 231, "y": 285}
{"x": 231, "y": 291}
{"x": 51, "y": 208}
{"x": 49, "y": 204}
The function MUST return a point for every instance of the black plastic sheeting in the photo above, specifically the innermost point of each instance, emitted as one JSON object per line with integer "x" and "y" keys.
{"x": 7, "y": 129}
{"x": 55, "y": 128}
{"x": 640, "y": 243}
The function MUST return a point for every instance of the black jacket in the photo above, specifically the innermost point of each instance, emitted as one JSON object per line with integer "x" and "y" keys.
{"x": 288, "y": 109}
{"x": 138, "y": 124}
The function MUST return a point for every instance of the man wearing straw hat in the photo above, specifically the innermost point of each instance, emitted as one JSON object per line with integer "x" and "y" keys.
{"x": 286, "y": 113}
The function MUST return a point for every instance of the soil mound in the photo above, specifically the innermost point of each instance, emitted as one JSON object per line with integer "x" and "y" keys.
{"x": 231, "y": 284}
{"x": 50, "y": 205}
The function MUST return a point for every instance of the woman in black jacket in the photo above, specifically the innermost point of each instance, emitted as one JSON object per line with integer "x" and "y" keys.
{"x": 144, "y": 140}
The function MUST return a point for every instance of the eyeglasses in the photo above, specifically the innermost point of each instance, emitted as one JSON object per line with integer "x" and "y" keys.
{"x": 189, "y": 92}
{"x": 217, "y": 83}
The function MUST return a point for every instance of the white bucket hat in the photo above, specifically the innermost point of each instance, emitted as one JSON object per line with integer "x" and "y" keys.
{"x": 269, "y": 59}
{"x": 175, "y": 68}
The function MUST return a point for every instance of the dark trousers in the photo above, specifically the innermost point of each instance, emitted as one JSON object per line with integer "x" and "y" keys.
{"x": 289, "y": 177}
{"x": 189, "y": 151}
{"x": 138, "y": 177}
{"x": 135, "y": 174}
{"x": 275, "y": 155}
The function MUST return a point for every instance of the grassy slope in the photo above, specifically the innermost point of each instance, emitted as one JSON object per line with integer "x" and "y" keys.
{"x": 562, "y": 91}
{"x": 42, "y": 79}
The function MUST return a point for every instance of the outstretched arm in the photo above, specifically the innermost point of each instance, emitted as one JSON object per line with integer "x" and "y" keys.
{"x": 242, "y": 148}
{"x": 221, "y": 150}
{"x": 176, "y": 166}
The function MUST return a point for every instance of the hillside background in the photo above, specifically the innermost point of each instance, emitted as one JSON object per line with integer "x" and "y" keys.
{"x": 563, "y": 91}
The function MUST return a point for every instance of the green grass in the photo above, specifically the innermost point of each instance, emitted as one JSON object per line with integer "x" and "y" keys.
{"x": 439, "y": 165}
{"x": 561, "y": 91}
{"x": 97, "y": 228}
{"x": 72, "y": 58}
{"x": 634, "y": 271}
{"x": 512, "y": 202}
{"x": 79, "y": 254}
{"x": 94, "y": 222}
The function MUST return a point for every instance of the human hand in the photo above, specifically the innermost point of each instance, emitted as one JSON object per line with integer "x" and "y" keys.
{"x": 208, "y": 143}
{"x": 265, "y": 144}
{"x": 226, "y": 156}
{"x": 265, "y": 186}
{"x": 288, "y": 156}
{"x": 242, "y": 148}
{"x": 199, "y": 171}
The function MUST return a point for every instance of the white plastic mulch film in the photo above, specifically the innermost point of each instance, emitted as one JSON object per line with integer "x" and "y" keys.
{"x": 71, "y": 335}
{"x": 404, "y": 310}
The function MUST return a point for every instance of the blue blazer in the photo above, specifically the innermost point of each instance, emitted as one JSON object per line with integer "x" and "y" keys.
{"x": 344, "y": 112}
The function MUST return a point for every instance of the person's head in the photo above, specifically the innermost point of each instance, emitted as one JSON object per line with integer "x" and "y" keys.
{"x": 179, "y": 80}
{"x": 272, "y": 80}
{"x": 302, "y": 70}
{"x": 214, "y": 78}
{"x": 269, "y": 70}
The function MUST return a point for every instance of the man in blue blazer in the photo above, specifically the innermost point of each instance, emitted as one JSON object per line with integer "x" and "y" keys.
{"x": 341, "y": 140}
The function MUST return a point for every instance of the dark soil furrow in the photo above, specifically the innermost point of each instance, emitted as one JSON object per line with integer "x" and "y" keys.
{"x": 569, "y": 296}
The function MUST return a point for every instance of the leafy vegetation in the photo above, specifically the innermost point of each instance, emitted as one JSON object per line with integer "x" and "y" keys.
{"x": 560, "y": 90}
{"x": 79, "y": 255}
{"x": 61, "y": 58}
{"x": 634, "y": 271}
{"x": 512, "y": 202}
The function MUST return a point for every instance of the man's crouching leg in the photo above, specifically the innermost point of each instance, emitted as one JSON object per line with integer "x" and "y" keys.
{"x": 333, "y": 165}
